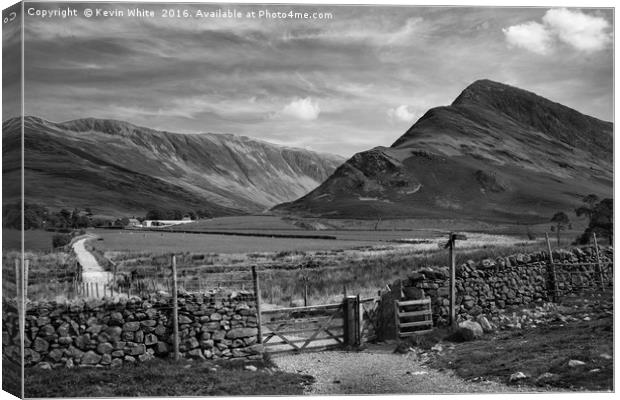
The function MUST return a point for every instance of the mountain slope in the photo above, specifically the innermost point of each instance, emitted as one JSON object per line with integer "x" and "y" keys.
{"x": 114, "y": 167}
{"x": 497, "y": 153}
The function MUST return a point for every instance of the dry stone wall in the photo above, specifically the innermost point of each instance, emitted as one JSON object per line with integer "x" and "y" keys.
{"x": 487, "y": 286}
{"x": 115, "y": 332}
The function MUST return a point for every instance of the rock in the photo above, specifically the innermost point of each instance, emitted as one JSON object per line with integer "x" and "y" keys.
{"x": 131, "y": 326}
{"x": 473, "y": 327}
{"x": 118, "y": 353}
{"x": 547, "y": 377}
{"x": 65, "y": 340}
{"x": 242, "y": 333}
{"x": 595, "y": 370}
{"x": 113, "y": 333}
{"x": 31, "y": 356}
{"x": 484, "y": 324}
{"x": 195, "y": 353}
{"x": 134, "y": 349}
{"x": 82, "y": 341}
{"x": 41, "y": 345}
{"x": 161, "y": 348}
{"x": 138, "y": 336}
{"x": 438, "y": 348}
{"x": 116, "y": 318}
{"x": 250, "y": 368}
{"x": 56, "y": 354}
{"x": 150, "y": 339}
{"x": 69, "y": 363}
{"x": 106, "y": 359}
{"x": 215, "y": 317}
{"x": 517, "y": 376}
{"x": 104, "y": 348}
{"x": 90, "y": 358}
{"x": 575, "y": 363}
{"x": 255, "y": 349}
{"x": 148, "y": 323}
{"x": 606, "y": 356}
{"x": 117, "y": 362}
{"x": 184, "y": 319}
{"x": 44, "y": 365}
{"x": 130, "y": 359}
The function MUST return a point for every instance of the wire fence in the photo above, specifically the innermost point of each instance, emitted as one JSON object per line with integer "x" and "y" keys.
{"x": 73, "y": 282}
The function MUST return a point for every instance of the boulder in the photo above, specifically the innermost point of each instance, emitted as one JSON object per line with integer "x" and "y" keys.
{"x": 517, "y": 376}
{"x": 473, "y": 327}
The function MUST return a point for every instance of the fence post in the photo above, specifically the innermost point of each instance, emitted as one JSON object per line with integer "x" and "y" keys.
{"x": 26, "y": 267}
{"x": 175, "y": 309}
{"x": 451, "y": 244}
{"x": 19, "y": 303}
{"x": 599, "y": 267}
{"x": 359, "y": 321}
{"x": 552, "y": 266}
{"x": 259, "y": 323}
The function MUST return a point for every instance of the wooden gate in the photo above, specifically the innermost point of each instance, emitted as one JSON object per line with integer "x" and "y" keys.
{"x": 314, "y": 328}
{"x": 413, "y": 317}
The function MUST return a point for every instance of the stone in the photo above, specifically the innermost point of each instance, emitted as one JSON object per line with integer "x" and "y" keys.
{"x": 44, "y": 365}
{"x": 116, "y": 318}
{"x": 94, "y": 329}
{"x": 118, "y": 353}
{"x": 135, "y": 349}
{"x": 218, "y": 335}
{"x": 216, "y": 317}
{"x": 250, "y": 368}
{"x": 117, "y": 362}
{"x": 69, "y": 363}
{"x": 438, "y": 348}
{"x": 130, "y": 359}
{"x": 106, "y": 359}
{"x": 547, "y": 377}
{"x": 150, "y": 339}
{"x": 606, "y": 356}
{"x": 113, "y": 333}
{"x": 195, "y": 353}
{"x": 131, "y": 326}
{"x": 149, "y": 323}
{"x": 82, "y": 341}
{"x": 517, "y": 376}
{"x": 56, "y": 354}
{"x": 192, "y": 343}
{"x": 41, "y": 345}
{"x": 207, "y": 344}
{"x": 575, "y": 363}
{"x": 484, "y": 324}
{"x": 255, "y": 349}
{"x": 138, "y": 336}
{"x": 473, "y": 327}
{"x": 184, "y": 319}
{"x": 243, "y": 333}
{"x": 104, "y": 348}
{"x": 161, "y": 348}
{"x": 31, "y": 356}
{"x": 90, "y": 358}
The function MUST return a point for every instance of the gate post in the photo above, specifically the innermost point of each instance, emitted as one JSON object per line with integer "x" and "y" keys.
{"x": 259, "y": 322}
{"x": 350, "y": 321}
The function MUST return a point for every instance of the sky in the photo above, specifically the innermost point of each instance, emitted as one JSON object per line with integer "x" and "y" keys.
{"x": 340, "y": 85}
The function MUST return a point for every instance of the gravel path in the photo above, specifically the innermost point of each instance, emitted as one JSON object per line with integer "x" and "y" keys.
{"x": 377, "y": 370}
{"x": 92, "y": 272}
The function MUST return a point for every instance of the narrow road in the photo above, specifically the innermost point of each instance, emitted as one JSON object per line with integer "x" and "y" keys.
{"x": 377, "y": 370}
{"x": 92, "y": 272}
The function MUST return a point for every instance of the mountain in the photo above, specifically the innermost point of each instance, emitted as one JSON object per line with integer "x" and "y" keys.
{"x": 497, "y": 153}
{"x": 115, "y": 168}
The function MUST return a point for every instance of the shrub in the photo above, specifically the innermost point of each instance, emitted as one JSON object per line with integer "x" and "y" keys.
{"x": 60, "y": 240}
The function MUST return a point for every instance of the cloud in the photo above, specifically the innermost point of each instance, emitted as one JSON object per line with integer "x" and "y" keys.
{"x": 581, "y": 31}
{"x": 530, "y": 36}
{"x": 402, "y": 113}
{"x": 304, "y": 109}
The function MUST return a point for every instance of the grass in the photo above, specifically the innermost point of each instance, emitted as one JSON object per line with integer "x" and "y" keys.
{"x": 35, "y": 240}
{"x": 11, "y": 377}
{"x": 544, "y": 349}
{"x": 166, "y": 378}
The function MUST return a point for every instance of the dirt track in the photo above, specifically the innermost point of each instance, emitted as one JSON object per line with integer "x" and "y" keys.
{"x": 377, "y": 370}
{"x": 92, "y": 272}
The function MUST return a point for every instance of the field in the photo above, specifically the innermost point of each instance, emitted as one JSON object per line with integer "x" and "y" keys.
{"x": 37, "y": 240}
{"x": 360, "y": 259}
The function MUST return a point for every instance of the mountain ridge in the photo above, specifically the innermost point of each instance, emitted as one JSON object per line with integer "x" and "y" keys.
{"x": 136, "y": 168}
{"x": 496, "y": 153}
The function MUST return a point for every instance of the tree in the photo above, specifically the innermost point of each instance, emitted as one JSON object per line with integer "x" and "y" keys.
{"x": 588, "y": 208}
{"x": 561, "y": 221}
